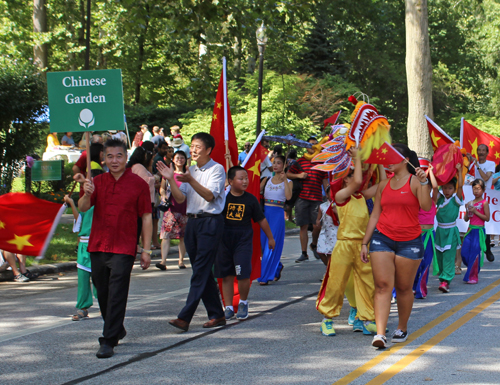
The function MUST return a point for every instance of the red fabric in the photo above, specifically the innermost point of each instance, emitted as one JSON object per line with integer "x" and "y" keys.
{"x": 444, "y": 161}
{"x": 25, "y": 223}
{"x": 473, "y": 137}
{"x": 118, "y": 204}
{"x": 138, "y": 139}
{"x": 438, "y": 136}
{"x": 81, "y": 163}
{"x": 332, "y": 119}
{"x": 311, "y": 186}
{"x": 385, "y": 155}
{"x": 217, "y": 129}
{"x": 399, "y": 217}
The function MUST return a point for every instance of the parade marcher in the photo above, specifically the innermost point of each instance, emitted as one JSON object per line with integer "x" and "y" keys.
{"x": 426, "y": 220}
{"x": 474, "y": 245}
{"x": 276, "y": 190}
{"x": 327, "y": 216}
{"x": 353, "y": 217}
{"x": 243, "y": 155}
{"x": 203, "y": 188}
{"x": 174, "y": 219}
{"x": 234, "y": 257}
{"x": 395, "y": 239}
{"x": 119, "y": 197}
{"x": 447, "y": 234}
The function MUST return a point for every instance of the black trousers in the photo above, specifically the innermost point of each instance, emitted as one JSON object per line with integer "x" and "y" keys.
{"x": 202, "y": 239}
{"x": 111, "y": 277}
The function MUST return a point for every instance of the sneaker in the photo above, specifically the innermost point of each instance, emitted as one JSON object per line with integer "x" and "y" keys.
{"x": 369, "y": 328}
{"x": 357, "y": 326}
{"x": 228, "y": 313}
{"x": 242, "y": 311}
{"x": 399, "y": 336}
{"x": 327, "y": 328}
{"x": 314, "y": 250}
{"x": 31, "y": 276}
{"x": 352, "y": 316}
{"x": 379, "y": 341}
{"x": 393, "y": 300}
{"x": 444, "y": 287}
{"x": 21, "y": 278}
{"x": 490, "y": 257}
{"x": 303, "y": 257}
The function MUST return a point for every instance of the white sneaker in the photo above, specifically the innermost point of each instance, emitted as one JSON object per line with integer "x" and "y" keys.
{"x": 379, "y": 341}
{"x": 399, "y": 336}
{"x": 21, "y": 278}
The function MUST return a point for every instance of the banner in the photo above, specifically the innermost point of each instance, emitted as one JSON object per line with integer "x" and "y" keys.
{"x": 493, "y": 198}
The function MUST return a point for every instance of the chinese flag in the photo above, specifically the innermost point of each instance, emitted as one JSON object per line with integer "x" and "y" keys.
{"x": 332, "y": 119}
{"x": 27, "y": 223}
{"x": 438, "y": 136}
{"x": 385, "y": 155}
{"x": 252, "y": 165}
{"x": 471, "y": 138}
{"x": 222, "y": 127}
{"x": 444, "y": 161}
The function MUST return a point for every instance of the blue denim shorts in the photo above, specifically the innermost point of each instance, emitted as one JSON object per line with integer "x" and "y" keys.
{"x": 413, "y": 249}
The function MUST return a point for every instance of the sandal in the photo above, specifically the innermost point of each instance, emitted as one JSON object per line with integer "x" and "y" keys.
{"x": 182, "y": 266}
{"x": 458, "y": 270}
{"x": 161, "y": 266}
{"x": 81, "y": 314}
{"x": 276, "y": 279}
{"x": 155, "y": 247}
{"x": 263, "y": 283}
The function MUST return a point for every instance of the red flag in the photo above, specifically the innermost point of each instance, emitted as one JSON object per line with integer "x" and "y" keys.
{"x": 385, "y": 155}
{"x": 222, "y": 128}
{"x": 471, "y": 138}
{"x": 332, "y": 119}
{"x": 444, "y": 161}
{"x": 438, "y": 136}
{"x": 27, "y": 223}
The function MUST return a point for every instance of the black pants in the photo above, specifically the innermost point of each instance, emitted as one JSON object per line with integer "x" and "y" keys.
{"x": 202, "y": 240}
{"x": 111, "y": 277}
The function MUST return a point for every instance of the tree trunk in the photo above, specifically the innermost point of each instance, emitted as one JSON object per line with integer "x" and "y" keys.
{"x": 40, "y": 27}
{"x": 419, "y": 76}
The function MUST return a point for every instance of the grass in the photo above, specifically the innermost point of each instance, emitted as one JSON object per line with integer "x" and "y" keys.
{"x": 290, "y": 225}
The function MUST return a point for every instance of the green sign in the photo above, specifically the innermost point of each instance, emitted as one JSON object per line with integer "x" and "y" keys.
{"x": 46, "y": 170}
{"x": 85, "y": 101}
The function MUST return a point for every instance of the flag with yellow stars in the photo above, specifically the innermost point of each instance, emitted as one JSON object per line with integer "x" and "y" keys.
{"x": 27, "y": 223}
{"x": 438, "y": 136}
{"x": 222, "y": 127}
{"x": 385, "y": 155}
{"x": 471, "y": 137}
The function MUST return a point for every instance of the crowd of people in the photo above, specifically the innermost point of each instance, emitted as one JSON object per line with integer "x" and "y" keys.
{"x": 376, "y": 239}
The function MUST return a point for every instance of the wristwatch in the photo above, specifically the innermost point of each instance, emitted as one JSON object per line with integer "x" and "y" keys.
{"x": 147, "y": 251}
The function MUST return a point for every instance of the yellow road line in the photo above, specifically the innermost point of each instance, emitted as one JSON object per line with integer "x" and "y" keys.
{"x": 422, "y": 349}
{"x": 413, "y": 336}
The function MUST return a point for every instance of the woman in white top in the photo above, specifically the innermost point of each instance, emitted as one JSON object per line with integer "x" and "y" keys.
{"x": 276, "y": 190}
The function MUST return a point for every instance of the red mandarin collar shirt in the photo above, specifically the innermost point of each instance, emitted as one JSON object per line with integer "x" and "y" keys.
{"x": 118, "y": 204}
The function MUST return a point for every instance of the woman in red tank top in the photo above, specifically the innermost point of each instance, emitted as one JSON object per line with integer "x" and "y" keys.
{"x": 396, "y": 247}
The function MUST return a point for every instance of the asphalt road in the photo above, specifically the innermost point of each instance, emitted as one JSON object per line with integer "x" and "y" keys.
{"x": 454, "y": 337}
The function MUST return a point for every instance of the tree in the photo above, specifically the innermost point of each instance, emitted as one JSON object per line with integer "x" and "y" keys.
{"x": 39, "y": 28}
{"x": 23, "y": 94}
{"x": 419, "y": 76}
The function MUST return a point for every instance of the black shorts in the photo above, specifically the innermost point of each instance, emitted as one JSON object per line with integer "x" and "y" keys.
{"x": 234, "y": 256}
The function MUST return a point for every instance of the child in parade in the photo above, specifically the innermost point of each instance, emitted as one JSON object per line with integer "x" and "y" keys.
{"x": 447, "y": 234}
{"x": 474, "y": 245}
{"x": 396, "y": 247}
{"x": 82, "y": 225}
{"x": 426, "y": 220}
{"x": 234, "y": 257}
{"x": 276, "y": 190}
{"x": 328, "y": 221}
{"x": 353, "y": 217}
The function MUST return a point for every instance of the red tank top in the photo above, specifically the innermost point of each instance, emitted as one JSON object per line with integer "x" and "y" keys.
{"x": 399, "y": 217}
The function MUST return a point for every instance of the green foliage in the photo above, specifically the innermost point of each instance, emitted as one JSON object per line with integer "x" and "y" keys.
{"x": 22, "y": 96}
{"x": 488, "y": 124}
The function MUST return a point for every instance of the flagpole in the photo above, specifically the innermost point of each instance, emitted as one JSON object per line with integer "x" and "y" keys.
{"x": 250, "y": 153}
{"x": 87, "y": 139}
{"x": 224, "y": 92}
{"x": 462, "y": 132}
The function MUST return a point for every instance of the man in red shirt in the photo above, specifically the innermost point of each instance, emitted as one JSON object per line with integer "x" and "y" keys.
{"x": 119, "y": 197}
{"x": 309, "y": 200}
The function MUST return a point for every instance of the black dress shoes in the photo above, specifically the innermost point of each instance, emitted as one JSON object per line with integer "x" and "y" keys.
{"x": 105, "y": 351}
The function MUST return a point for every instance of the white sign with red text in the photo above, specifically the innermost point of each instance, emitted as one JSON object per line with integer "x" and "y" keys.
{"x": 493, "y": 198}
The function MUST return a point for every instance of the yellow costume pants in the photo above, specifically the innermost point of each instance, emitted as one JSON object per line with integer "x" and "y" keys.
{"x": 349, "y": 291}
{"x": 345, "y": 258}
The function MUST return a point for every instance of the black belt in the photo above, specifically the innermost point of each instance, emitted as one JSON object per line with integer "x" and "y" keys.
{"x": 202, "y": 215}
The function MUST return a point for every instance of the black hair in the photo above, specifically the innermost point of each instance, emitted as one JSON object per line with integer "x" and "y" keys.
{"x": 182, "y": 153}
{"x": 293, "y": 154}
{"x": 487, "y": 148}
{"x": 138, "y": 156}
{"x": 278, "y": 149}
{"x": 149, "y": 147}
{"x": 162, "y": 143}
{"x": 95, "y": 172}
{"x": 407, "y": 153}
{"x": 312, "y": 138}
{"x": 497, "y": 168}
{"x": 453, "y": 182}
{"x": 231, "y": 173}
{"x": 280, "y": 157}
{"x": 95, "y": 152}
{"x": 479, "y": 182}
{"x": 115, "y": 143}
{"x": 207, "y": 139}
